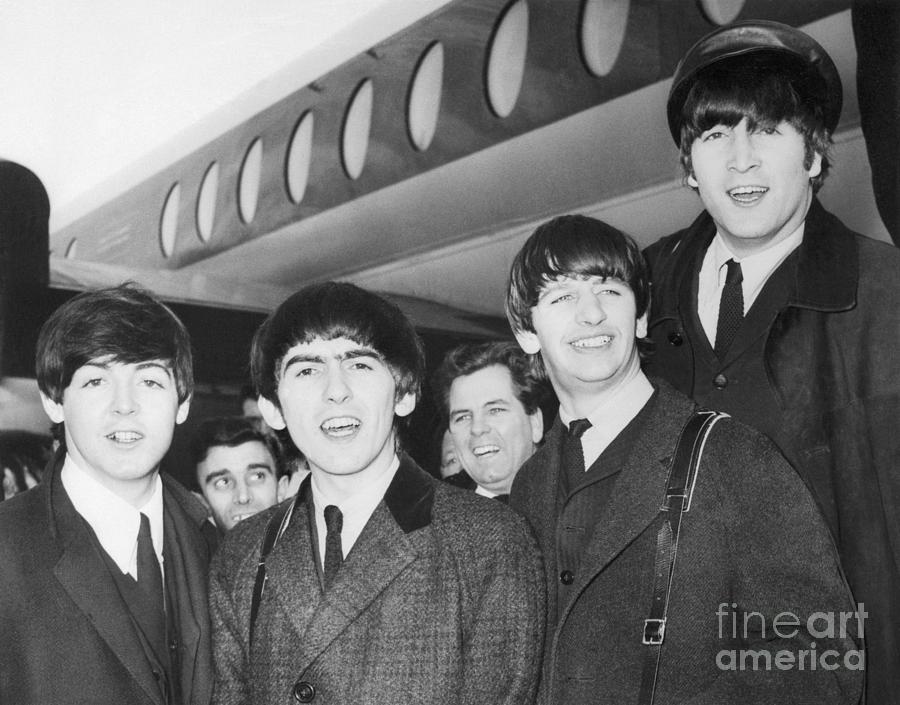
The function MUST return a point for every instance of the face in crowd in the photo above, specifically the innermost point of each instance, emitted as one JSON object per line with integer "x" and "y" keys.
{"x": 239, "y": 481}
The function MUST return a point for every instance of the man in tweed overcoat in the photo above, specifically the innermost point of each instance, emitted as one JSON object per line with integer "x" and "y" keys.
{"x": 754, "y": 554}
{"x": 440, "y": 595}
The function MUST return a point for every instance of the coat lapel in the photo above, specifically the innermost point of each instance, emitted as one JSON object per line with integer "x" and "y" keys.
{"x": 84, "y": 576}
{"x": 639, "y": 491}
{"x": 384, "y": 550}
{"x": 380, "y": 554}
{"x": 187, "y": 548}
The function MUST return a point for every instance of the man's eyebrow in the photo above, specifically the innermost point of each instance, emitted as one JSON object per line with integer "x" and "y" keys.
{"x": 340, "y": 357}
{"x": 155, "y": 364}
{"x": 359, "y": 352}
{"x": 215, "y": 475}
{"x": 260, "y": 466}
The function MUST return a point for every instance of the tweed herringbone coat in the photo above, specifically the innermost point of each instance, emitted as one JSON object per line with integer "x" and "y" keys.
{"x": 753, "y": 541}
{"x": 439, "y": 602}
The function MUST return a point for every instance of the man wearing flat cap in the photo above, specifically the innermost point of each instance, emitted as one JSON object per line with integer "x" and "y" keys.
{"x": 767, "y": 307}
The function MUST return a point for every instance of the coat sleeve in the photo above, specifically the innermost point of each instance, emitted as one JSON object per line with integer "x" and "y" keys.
{"x": 504, "y": 633}
{"x": 232, "y": 674}
{"x": 786, "y": 627}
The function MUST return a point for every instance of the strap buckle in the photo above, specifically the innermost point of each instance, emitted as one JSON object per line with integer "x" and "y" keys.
{"x": 654, "y": 632}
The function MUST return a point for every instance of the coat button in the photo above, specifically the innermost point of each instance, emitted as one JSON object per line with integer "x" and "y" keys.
{"x": 675, "y": 338}
{"x": 567, "y": 577}
{"x": 304, "y": 692}
{"x": 720, "y": 381}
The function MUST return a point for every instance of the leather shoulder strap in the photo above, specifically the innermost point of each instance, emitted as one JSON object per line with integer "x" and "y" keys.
{"x": 679, "y": 491}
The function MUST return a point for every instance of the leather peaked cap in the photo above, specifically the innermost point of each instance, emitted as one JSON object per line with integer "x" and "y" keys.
{"x": 743, "y": 38}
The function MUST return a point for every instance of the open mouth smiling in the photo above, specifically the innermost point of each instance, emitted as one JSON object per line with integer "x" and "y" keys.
{"x": 485, "y": 450}
{"x": 747, "y": 195}
{"x": 340, "y": 426}
{"x": 124, "y": 437}
{"x": 596, "y": 341}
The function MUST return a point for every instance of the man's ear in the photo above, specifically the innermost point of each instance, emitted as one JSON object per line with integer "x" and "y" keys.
{"x": 271, "y": 414}
{"x": 183, "y": 409}
{"x": 405, "y": 406}
{"x": 640, "y": 330}
{"x": 284, "y": 484}
{"x": 528, "y": 341}
{"x": 53, "y": 409}
{"x": 537, "y": 426}
{"x": 816, "y": 167}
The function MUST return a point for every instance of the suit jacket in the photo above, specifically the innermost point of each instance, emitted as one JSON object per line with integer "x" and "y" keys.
{"x": 830, "y": 358}
{"x": 66, "y": 636}
{"x": 440, "y": 601}
{"x": 752, "y": 542}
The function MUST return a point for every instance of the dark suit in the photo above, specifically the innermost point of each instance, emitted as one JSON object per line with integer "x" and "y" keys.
{"x": 440, "y": 601}
{"x": 66, "y": 636}
{"x": 753, "y": 537}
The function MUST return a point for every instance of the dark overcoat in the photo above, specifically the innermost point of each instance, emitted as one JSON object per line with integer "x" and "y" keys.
{"x": 66, "y": 636}
{"x": 439, "y": 602}
{"x": 831, "y": 357}
{"x": 753, "y": 541}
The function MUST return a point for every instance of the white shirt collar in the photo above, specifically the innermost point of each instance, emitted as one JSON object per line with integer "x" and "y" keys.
{"x": 611, "y": 416}
{"x": 356, "y": 509}
{"x": 114, "y": 521}
{"x": 483, "y": 492}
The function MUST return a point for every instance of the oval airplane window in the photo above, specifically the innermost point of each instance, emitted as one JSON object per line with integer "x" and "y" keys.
{"x": 603, "y": 25}
{"x": 425, "y": 97}
{"x": 206, "y": 202}
{"x": 248, "y": 189}
{"x": 299, "y": 157}
{"x": 506, "y": 58}
{"x": 721, "y": 11}
{"x": 168, "y": 222}
{"x": 355, "y": 135}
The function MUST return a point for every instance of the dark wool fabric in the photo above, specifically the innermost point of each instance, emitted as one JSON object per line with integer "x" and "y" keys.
{"x": 828, "y": 357}
{"x": 753, "y": 538}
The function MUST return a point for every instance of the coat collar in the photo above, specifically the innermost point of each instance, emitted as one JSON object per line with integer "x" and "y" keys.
{"x": 387, "y": 545}
{"x": 827, "y": 263}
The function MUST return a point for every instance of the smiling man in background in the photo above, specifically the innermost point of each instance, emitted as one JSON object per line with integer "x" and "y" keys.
{"x": 492, "y": 402}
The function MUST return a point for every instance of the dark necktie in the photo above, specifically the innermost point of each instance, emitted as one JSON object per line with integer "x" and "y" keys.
{"x": 334, "y": 522}
{"x": 148, "y": 572}
{"x": 731, "y": 308}
{"x": 573, "y": 453}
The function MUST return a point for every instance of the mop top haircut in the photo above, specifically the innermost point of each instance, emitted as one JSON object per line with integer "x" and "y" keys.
{"x": 124, "y": 324}
{"x": 333, "y": 310}
{"x": 573, "y": 246}
{"x": 469, "y": 358}
{"x": 767, "y": 88}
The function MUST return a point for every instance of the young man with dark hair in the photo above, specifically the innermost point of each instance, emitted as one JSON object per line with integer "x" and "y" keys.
{"x": 769, "y": 308}
{"x": 238, "y": 468}
{"x": 104, "y": 577}
{"x": 626, "y": 623}
{"x": 385, "y": 582}
{"x": 491, "y": 399}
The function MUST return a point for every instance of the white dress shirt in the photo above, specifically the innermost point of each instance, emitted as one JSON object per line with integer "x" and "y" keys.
{"x": 756, "y": 270}
{"x": 611, "y": 417}
{"x": 114, "y": 521}
{"x": 356, "y": 509}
